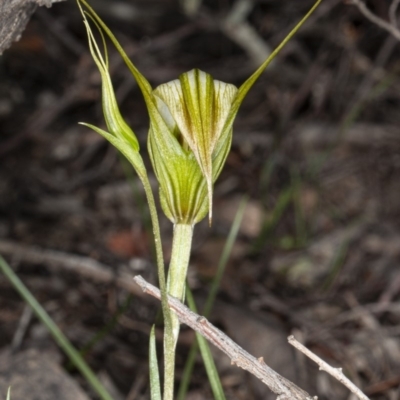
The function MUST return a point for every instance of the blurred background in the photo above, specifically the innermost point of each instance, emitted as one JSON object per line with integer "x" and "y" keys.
{"x": 316, "y": 148}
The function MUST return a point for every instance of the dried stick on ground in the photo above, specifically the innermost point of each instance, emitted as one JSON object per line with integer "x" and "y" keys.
{"x": 14, "y": 15}
{"x": 84, "y": 266}
{"x": 285, "y": 389}
{"x": 392, "y": 12}
{"x": 323, "y": 366}
{"x": 389, "y": 27}
{"x": 242, "y": 33}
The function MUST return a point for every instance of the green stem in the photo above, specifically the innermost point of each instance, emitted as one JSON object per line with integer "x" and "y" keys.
{"x": 55, "y": 331}
{"x": 157, "y": 242}
{"x": 181, "y": 246}
{"x": 169, "y": 345}
{"x": 226, "y": 252}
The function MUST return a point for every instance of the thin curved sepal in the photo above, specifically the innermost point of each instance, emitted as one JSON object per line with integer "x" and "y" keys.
{"x": 143, "y": 83}
{"x": 246, "y": 86}
{"x": 132, "y": 155}
{"x": 116, "y": 124}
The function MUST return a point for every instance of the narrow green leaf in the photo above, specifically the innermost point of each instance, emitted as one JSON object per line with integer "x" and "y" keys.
{"x": 9, "y": 393}
{"x": 226, "y": 252}
{"x": 155, "y": 387}
{"x": 283, "y": 202}
{"x": 55, "y": 331}
{"x": 208, "y": 360}
{"x": 187, "y": 371}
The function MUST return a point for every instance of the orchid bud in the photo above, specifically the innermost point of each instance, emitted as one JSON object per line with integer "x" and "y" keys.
{"x": 119, "y": 133}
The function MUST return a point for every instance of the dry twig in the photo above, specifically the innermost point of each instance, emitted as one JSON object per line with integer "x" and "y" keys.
{"x": 85, "y": 266}
{"x": 323, "y": 366}
{"x": 389, "y": 27}
{"x": 242, "y": 33}
{"x": 392, "y": 12}
{"x": 23, "y": 324}
{"x": 14, "y": 15}
{"x": 285, "y": 389}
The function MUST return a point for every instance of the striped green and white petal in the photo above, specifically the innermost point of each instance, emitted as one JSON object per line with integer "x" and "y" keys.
{"x": 199, "y": 105}
{"x": 183, "y": 187}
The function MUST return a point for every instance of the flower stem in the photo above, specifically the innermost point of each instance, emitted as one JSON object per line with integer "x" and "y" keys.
{"x": 169, "y": 345}
{"x": 181, "y": 246}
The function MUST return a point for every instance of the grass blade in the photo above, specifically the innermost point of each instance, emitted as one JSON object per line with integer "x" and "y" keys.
{"x": 155, "y": 387}
{"x": 226, "y": 252}
{"x": 187, "y": 371}
{"x": 208, "y": 360}
{"x": 284, "y": 200}
{"x": 55, "y": 331}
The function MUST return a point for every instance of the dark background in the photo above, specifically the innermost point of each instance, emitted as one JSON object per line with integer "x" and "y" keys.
{"x": 316, "y": 148}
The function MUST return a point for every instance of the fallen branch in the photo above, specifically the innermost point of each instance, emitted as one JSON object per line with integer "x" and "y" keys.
{"x": 243, "y": 34}
{"x": 285, "y": 389}
{"x": 84, "y": 266}
{"x": 389, "y": 27}
{"x": 323, "y": 366}
{"x": 14, "y": 15}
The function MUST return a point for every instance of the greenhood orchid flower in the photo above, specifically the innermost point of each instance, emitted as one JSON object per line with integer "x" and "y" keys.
{"x": 189, "y": 155}
{"x": 190, "y": 132}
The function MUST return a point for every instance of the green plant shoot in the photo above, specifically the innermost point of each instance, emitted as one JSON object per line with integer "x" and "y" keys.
{"x": 190, "y": 136}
